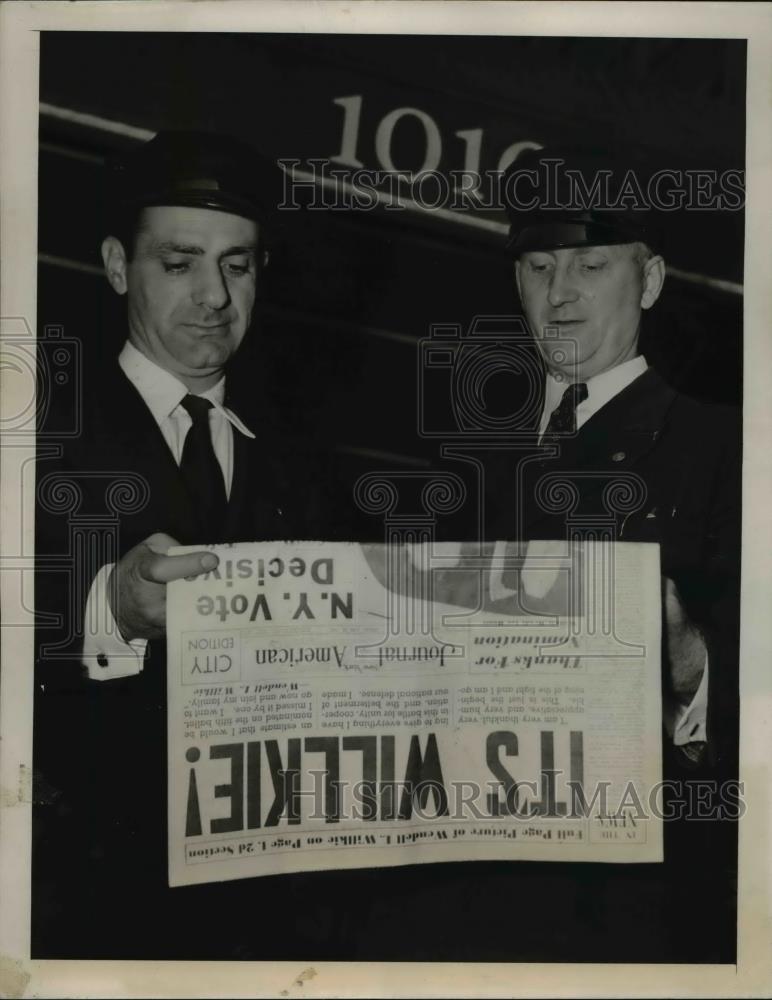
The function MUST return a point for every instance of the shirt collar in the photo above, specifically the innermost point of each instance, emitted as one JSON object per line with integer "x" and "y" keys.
{"x": 601, "y": 388}
{"x": 163, "y": 392}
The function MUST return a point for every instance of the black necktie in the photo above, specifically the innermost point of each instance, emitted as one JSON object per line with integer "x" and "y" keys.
{"x": 563, "y": 418}
{"x": 200, "y": 469}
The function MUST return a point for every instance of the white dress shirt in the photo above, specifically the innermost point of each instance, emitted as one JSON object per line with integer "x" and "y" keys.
{"x": 685, "y": 723}
{"x": 105, "y": 653}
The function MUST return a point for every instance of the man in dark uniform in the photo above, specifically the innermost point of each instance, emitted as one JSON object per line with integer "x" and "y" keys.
{"x": 165, "y": 456}
{"x": 642, "y": 463}
{"x": 608, "y": 450}
{"x": 586, "y": 271}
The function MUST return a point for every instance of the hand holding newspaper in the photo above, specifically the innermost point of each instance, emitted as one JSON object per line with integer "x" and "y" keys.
{"x": 336, "y": 705}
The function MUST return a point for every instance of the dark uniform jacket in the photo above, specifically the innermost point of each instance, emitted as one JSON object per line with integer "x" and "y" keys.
{"x": 100, "y": 746}
{"x": 653, "y": 465}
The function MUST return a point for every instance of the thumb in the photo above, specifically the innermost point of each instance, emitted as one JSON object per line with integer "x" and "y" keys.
{"x": 160, "y": 543}
{"x": 156, "y": 567}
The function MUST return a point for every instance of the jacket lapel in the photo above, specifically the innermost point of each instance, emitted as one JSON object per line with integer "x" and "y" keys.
{"x": 255, "y": 510}
{"x": 613, "y": 441}
{"x": 237, "y": 514}
{"x": 131, "y": 434}
{"x": 128, "y": 437}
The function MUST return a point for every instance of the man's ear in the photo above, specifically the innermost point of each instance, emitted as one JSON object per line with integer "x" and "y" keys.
{"x": 517, "y": 278}
{"x": 653, "y": 280}
{"x": 114, "y": 260}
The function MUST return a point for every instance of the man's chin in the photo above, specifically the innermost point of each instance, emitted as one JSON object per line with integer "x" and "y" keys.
{"x": 208, "y": 358}
{"x": 566, "y": 370}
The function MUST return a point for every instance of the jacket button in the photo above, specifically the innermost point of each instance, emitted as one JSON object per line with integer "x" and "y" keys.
{"x": 618, "y": 456}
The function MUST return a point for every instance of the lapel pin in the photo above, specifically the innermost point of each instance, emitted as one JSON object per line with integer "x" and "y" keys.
{"x": 618, "y": 456}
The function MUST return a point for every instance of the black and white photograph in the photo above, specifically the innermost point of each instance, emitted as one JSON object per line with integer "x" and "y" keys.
{"x": 487, "y": 296}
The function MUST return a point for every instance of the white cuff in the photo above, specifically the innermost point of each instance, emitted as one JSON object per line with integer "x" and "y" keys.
{"x": 687, "y": 723}
{"x": 106, "y": 654}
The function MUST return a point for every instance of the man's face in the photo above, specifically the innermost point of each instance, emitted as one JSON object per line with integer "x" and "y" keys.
{"x": 584, "y": 305}
{"x": 191, "y": 288}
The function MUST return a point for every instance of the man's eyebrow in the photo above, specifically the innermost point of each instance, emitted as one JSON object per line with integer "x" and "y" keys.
{"x": 246, "y": 248}
{"x": 169, "y": 246}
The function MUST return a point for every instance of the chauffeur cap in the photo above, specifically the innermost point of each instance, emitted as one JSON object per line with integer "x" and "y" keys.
{"x": 564, "y": 198}
{"x": 198, "y": 170}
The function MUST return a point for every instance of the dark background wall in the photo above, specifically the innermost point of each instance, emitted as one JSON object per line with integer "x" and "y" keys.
{"x": 349, "y": 295}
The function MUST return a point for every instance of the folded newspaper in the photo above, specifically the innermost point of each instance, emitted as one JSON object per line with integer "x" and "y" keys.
{"x": 337, "y": 705}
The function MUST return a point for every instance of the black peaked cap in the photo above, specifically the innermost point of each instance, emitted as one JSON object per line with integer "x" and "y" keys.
{"x": 199, "y": 170}
{"x": 577, "y": 196}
